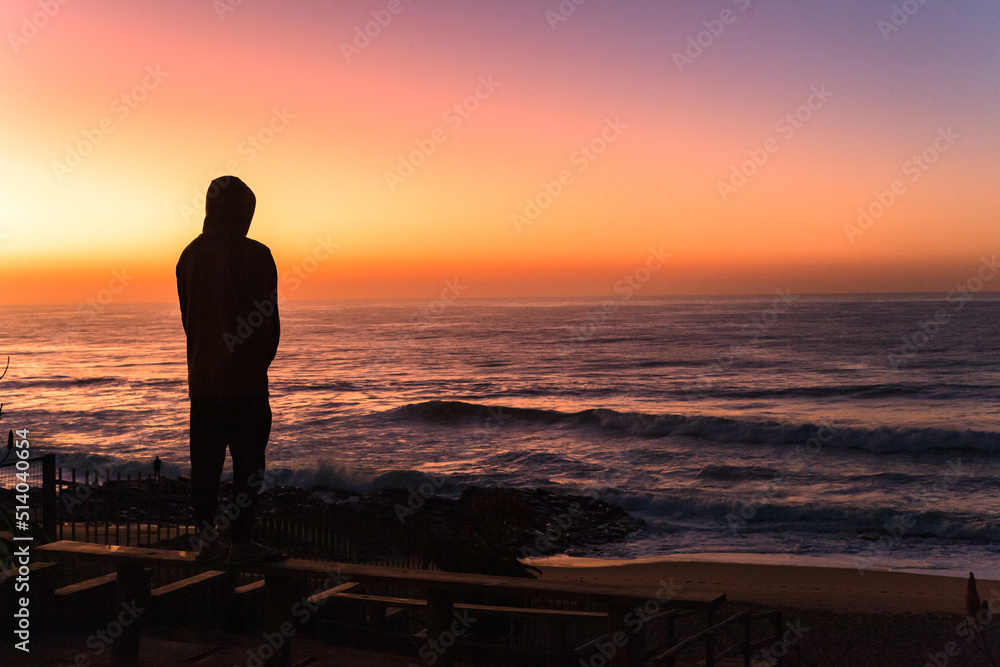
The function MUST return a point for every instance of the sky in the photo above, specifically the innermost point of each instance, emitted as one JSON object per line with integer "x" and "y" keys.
{"x": 515, "y": 148}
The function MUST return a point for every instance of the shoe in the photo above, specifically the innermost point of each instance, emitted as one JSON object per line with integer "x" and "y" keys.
{"x": 211, "y": 551}
{"x": 254, "y": 552}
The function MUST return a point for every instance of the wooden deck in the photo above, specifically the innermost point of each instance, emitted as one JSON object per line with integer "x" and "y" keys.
{"x": 191, "y": 646}
{"x": 443, "y": 599}
{"x": 295, "y": 568}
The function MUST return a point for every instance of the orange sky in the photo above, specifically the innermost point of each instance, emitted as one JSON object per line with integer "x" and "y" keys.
{"x": 118, "y": 117}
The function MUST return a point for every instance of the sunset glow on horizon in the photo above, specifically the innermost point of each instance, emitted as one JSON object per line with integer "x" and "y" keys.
{"x": 521, "y": 149}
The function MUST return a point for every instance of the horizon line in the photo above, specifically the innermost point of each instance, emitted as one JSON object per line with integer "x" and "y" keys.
{"x": 594, "y": 297}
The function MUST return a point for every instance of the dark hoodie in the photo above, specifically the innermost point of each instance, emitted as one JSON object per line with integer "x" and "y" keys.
{"x": 227, "y": 286}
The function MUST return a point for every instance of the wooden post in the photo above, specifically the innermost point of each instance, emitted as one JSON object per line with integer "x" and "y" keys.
{"x": 628, "y": 647}
{"x": 132, "y": 597}
{"x": 61, "y": 488}
{"x": 49, "y": 506}
{"x": 88, "y": 504}
{"x": 710, "y": 640}
{"x": 440, "y": 613}
{"x": 128, "y": 521}
{"x": 107, "y": 508}
{"x": 72, "y": 528}
{"x": 556, "y": 644}
{"x": 747, "y": 637}
{"x": 118, "y": 509}
{"x": 278, "y": 624}
{"x": 149, "y": 509}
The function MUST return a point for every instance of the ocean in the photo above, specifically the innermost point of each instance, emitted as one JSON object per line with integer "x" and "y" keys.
{"x": 859, "y": 429}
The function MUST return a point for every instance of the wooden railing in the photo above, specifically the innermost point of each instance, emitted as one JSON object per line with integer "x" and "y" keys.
{"x": 23, "y": 473}
{"x": 146, "y": 510}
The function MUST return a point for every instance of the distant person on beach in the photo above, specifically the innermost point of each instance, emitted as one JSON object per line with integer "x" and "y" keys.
{"x": 228, "y": 287}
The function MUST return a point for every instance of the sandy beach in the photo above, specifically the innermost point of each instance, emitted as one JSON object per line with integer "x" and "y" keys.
{"x": 794, "y": 583}
{"x": 847, "y": 618}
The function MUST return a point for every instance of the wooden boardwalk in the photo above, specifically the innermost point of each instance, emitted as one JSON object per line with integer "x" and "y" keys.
{"x": 445, "y": 618}
{"x": 192, "y": 646}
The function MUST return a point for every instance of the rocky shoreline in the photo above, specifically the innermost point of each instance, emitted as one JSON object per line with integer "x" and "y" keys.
{"x": 485, "y": 530}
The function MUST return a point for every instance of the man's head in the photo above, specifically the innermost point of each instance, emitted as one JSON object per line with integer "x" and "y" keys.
{"x": 229, "y": 206}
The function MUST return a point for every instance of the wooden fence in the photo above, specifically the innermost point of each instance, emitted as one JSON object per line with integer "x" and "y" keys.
{"x": 148, "y": 510}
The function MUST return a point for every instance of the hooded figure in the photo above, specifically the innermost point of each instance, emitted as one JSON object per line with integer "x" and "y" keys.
{"x": 228, "y": 288}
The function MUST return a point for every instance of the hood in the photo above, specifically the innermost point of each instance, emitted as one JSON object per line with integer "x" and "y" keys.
{"x": 229, "y": 206}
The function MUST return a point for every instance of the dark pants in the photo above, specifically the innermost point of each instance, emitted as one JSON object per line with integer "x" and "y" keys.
{"x": 243, "y": 423}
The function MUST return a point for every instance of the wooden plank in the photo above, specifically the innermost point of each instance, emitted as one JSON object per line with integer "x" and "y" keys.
{"x": 249, "y": 589}
{"x": 191, "y": 583}
{"x": 704, "y": 635}
{"x": 532, "y": 611}
{"x": 513, "y": 611}
{"x": 335, "y": 591}
{"x": 103, "y": 584}
{"x": 382, "y": 599}
{"x": 459, "y": 584}
{"x": 342, "y": 593}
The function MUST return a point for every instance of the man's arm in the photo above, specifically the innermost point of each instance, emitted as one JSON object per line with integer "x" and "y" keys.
{"x": 181, "y": 294}
{"x": 274, "y": 321}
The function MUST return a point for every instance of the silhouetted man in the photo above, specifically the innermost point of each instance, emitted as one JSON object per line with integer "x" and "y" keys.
{"x": 228, "y": 288}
